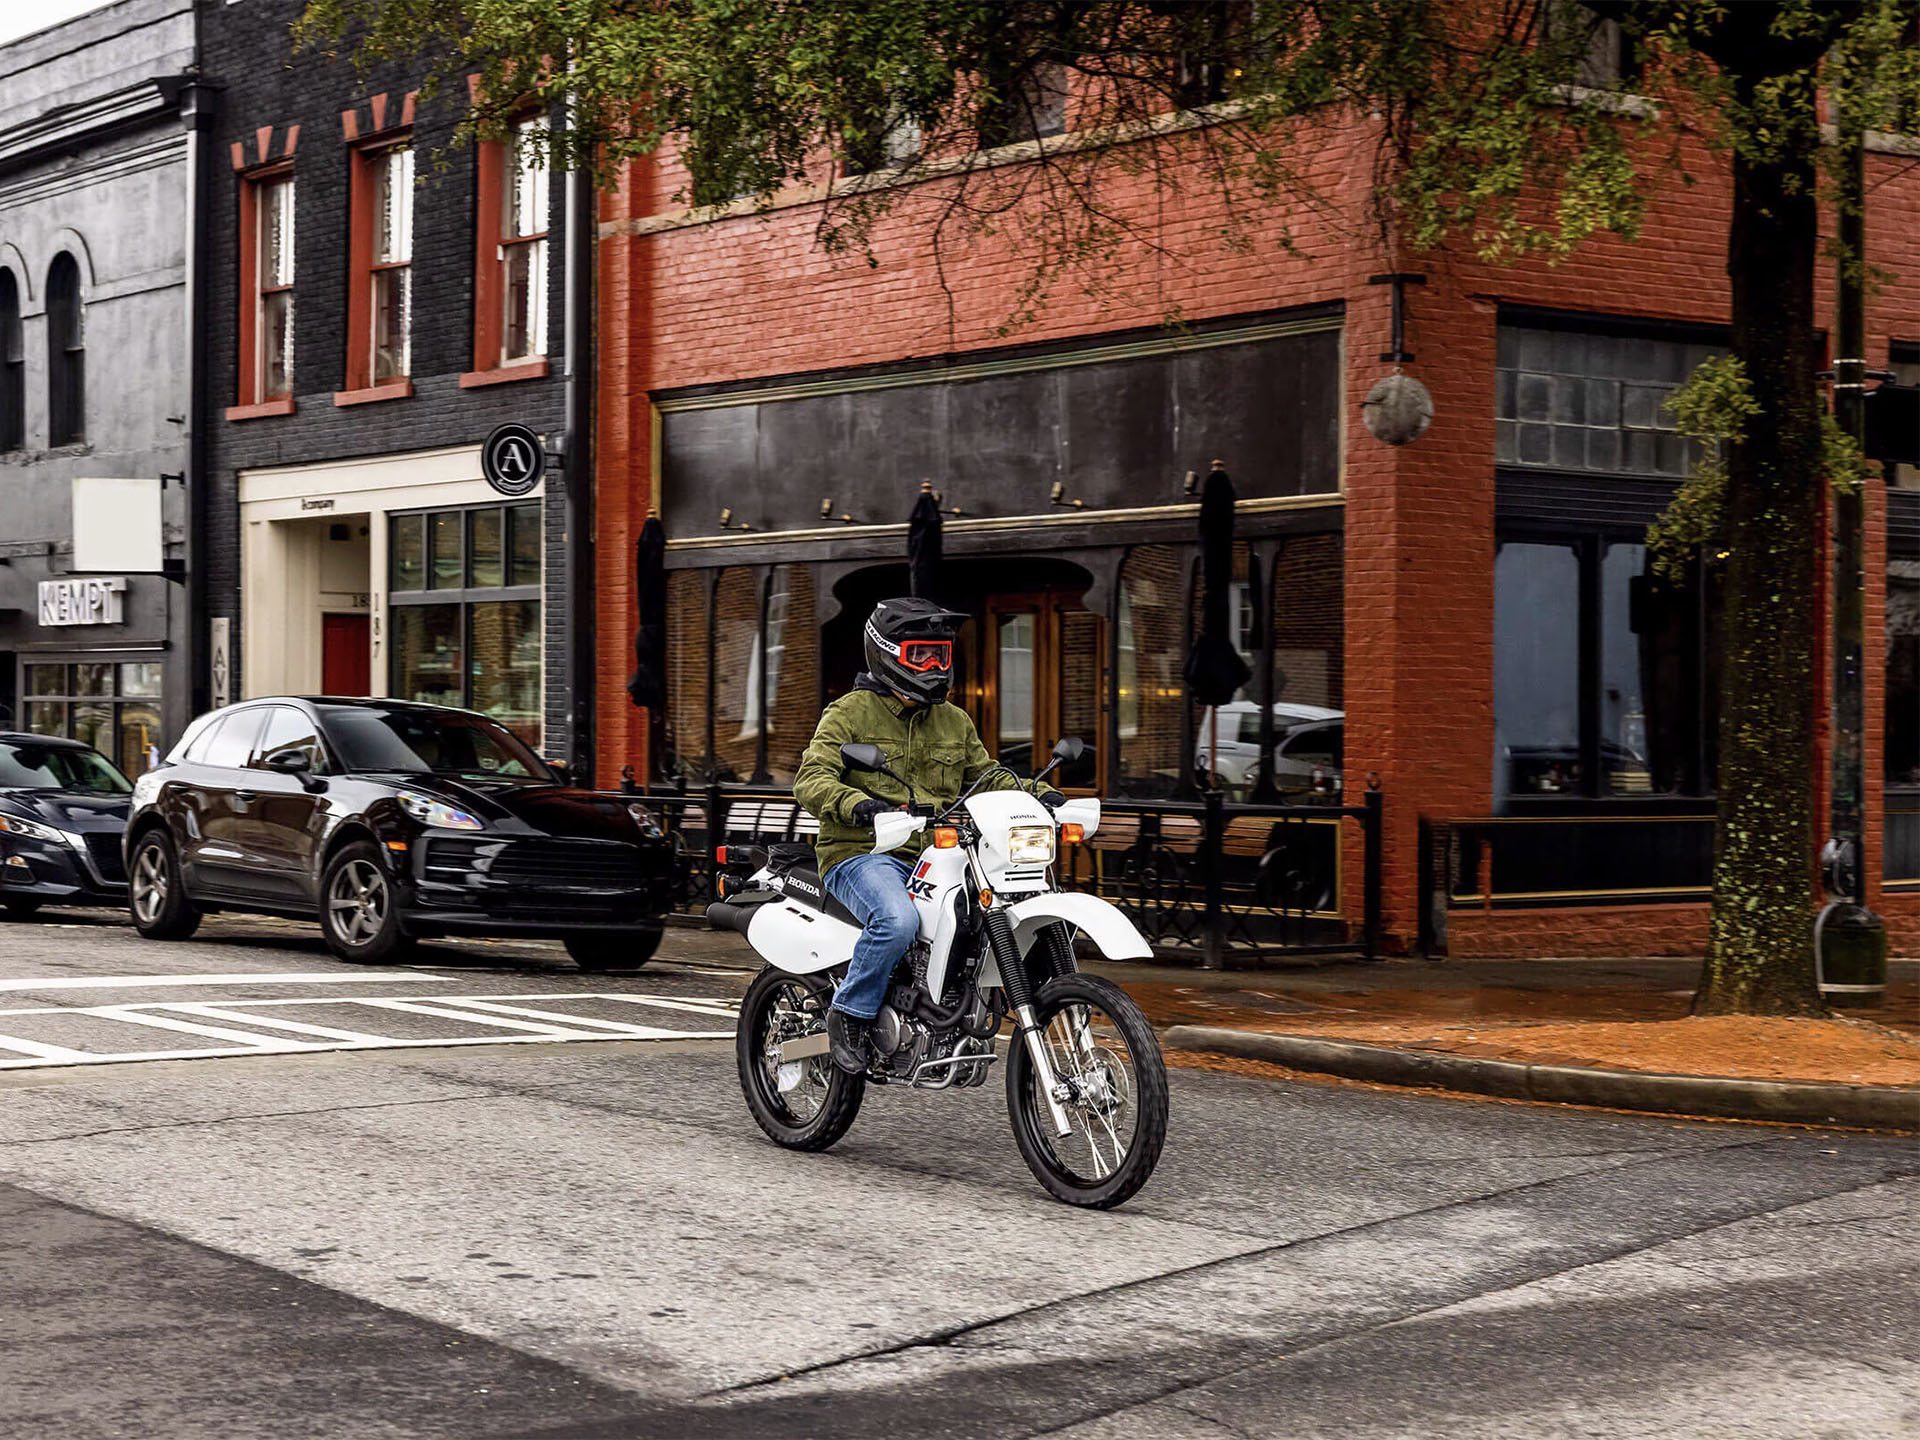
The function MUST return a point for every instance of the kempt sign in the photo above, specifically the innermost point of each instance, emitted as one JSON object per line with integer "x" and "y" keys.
{"x": 97, "y": 601}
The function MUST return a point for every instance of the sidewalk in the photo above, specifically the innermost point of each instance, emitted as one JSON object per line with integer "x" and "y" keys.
{"x": 1604, "y": 1032}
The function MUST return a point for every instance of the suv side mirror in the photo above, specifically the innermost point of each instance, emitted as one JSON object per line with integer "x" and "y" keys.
{"x": 863, "y": 757}
{"x": 290, "y": 762}
{"x": 560, "y": 768}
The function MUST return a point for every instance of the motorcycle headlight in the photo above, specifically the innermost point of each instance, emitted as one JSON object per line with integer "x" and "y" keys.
{"x": 437, "y": 813}
{"x": 31, "y": 830}
{"x": 1030, "y": 844}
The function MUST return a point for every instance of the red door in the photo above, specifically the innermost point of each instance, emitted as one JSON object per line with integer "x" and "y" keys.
{"x": 345, "y": 667}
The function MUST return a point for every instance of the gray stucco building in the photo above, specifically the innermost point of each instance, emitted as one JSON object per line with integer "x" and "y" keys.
{"x": 96, "y": 366}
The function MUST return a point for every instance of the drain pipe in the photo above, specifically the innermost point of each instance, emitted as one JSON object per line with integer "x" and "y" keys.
{"x": 577, "y": 340}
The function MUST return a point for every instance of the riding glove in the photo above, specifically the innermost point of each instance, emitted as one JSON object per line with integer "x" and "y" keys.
{"x": 1052, "y": 799}
{"x": 864, "y": 812}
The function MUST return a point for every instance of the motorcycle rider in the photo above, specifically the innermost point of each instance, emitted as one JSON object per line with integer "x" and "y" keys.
{"x": 899, "y": 702}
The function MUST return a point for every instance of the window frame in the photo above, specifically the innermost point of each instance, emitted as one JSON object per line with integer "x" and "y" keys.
{"x": 66, "y": 352}
{"x": 13, "y": 363}
{"x": 497, "y": 176}
{"x": 370, "y": 162}
{"x": 251, "y": 399}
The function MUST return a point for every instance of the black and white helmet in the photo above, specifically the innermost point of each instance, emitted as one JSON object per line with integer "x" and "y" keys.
{"x": 910, "y": 648}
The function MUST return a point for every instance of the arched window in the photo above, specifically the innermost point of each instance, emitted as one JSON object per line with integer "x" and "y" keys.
{"x": 13, "y": 367}
{"x": 66, "y": 355}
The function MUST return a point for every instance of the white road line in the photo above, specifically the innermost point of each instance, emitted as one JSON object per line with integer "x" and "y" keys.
{"x": 698, "y": 1007}
{"x": 216, "y": 1012}
{"x": 290, "y": 977}
{"x": 494, "y": 1008}
{"x": 131, "y": 1016}
{"x": 57, "y": 1053}
{"x": 554, "y": 1031}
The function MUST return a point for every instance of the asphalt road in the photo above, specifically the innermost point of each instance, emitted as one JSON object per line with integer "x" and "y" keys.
{"x": 441, "y": 1227}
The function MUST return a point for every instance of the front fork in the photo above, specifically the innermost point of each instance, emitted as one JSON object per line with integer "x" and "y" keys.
{"x": 1013, "y": 977}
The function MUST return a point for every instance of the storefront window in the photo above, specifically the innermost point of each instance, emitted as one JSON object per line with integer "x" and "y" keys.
{"x": 687, "y": 653}
{"x": 114, "y": 706}
{"x": 1903, "y": 673}
{"x": 793, "y": 670}
{"x": 466, "y": 613}
{"x": 1604, "y": 671}
{"x": 736, "y": 728}
{"x": 1152, "y": 646}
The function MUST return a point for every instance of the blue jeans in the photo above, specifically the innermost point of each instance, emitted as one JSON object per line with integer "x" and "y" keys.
{"x": 874, "y": 888}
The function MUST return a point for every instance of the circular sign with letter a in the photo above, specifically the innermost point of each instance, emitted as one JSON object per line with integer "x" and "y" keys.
{"x": 512, "y": 459}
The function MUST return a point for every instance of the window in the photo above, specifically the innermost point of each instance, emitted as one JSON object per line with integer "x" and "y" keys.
{"x": 523, "y": 246}
{"x": 392, "y": 263}
{"x": 1025, "y": 102}
{"x": 1903, "y": 358}
{"x": 510, "y": 263}
{"x": 380, "y": 253}
{"x": 1902, "y": 754}
{"x": 288, "y": 732}
{"x": 231, "y": 747}
{"x": 1575, "y": 400}
{"x": 1604, "y": 672}
{"x": 466, "y": 612}
{"x": 113, "y": 706}
{"x": 265, "y": 361}
{"x": 66, "y": 354}
{"x": 13, "y": 366}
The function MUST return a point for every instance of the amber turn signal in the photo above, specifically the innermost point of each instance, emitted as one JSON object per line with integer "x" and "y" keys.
{"x": 986, "y": 898}
{"x": 1073, "y": 834}
{"x": 945, "y": 838}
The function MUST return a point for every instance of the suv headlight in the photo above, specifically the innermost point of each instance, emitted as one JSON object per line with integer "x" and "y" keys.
{"x": 1030, "y": 844}
{"x": 31, "y": 830}
{"x": 437, "y": 813}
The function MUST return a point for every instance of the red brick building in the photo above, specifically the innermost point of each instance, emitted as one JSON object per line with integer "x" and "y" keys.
{"x": 1469, "y": 618}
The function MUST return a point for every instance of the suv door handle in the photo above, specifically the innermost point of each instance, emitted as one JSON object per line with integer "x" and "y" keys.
{"x": 246, "y": 796}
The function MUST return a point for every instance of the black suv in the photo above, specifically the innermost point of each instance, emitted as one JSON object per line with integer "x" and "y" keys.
{"x": 63, "y": 808}
{"x": 391, "y": 822}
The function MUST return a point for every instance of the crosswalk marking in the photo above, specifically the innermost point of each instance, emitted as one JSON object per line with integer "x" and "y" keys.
{"x": 217, "y": 1021}
{"x": 289, "y": 977}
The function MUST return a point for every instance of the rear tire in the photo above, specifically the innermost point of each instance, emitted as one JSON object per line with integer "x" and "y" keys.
{"x": 1120, "y": 1119}
{"x": 157, "y": 890}
{"x": 359, "y": 908}
{"x": 23, "y": 907}
{"x": 820, "y": 1108}
{"x": 615, "y": 952}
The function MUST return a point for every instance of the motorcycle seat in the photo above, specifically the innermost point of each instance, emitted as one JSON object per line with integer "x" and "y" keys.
{"x": 787, "y": 854}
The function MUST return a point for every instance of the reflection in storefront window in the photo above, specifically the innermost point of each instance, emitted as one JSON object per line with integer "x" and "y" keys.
{"x": 504, "y": 664}
{"x": 409, "y": 565}
{"x": 793, "y": 663}
{"x": 1536, "y": 669}
{"x": 1152, "y": 697}
{"x": 524, "y": 556}
{"x": 486, "y": 564}
{"x": 426, "y": 654}
{"x": 1903, "y": 673}
{"x": 735, "y": 638}
{"x": 114, "y": 707}
{"x": 686, "y": 745}
{"x": 444, "y": 540}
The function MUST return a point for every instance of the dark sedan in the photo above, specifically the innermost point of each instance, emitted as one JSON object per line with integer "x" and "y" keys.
{"x": 391, "y": 822}
{"x": 63, "y": 809}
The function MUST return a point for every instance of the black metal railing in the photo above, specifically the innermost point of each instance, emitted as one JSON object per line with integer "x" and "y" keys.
{"x": 1213, "y": 879}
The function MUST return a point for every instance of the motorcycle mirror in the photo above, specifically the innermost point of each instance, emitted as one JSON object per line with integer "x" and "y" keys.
{"x": 863, "y": 757}
{"x": 1070, "y": 749}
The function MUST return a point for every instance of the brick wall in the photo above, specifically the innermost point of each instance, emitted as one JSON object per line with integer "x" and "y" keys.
{"x": 246, "y": 47}
{"x": 752, "y": 296}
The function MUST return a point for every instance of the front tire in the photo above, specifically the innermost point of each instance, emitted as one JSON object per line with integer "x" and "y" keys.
{"x": 23, "y": 907}
{"x": 615, "y": 952}
{"x": 157, "y": 890}
{"x": 820, "y": 1102}
{"x": 1102, "y": 1047}
{"x": 359, "y": 909}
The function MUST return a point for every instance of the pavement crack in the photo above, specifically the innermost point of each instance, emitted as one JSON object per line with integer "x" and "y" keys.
{"x": 948, "y": 1335}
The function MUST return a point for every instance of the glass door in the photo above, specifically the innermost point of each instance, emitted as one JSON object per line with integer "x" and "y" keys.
{"x": 1043, "y": 675}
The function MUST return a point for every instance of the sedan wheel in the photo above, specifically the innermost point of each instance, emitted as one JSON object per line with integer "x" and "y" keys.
{"x": 156, "y": 893}
{"x": 359, "y": 915}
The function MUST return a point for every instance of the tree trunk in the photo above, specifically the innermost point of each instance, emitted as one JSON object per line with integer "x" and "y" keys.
{"x": 1760, "y": 942}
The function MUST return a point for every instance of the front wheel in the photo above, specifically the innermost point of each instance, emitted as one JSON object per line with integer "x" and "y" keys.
{"x": 359, "y": 912}
{"x": 1106, "y": 1058}
{"x": 614, "y": 951}
{"x": 22, "y": 907}
{"x": 805, "y": 1104}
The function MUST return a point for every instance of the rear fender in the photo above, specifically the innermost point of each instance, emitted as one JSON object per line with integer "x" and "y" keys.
{"x": 1101, "y": 922}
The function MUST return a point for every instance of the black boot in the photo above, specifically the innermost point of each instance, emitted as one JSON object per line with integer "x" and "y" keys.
{"x": 852, "y": 1041}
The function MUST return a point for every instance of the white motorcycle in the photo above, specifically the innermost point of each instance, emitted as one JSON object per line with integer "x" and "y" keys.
{"x": 1086, "y": 1084}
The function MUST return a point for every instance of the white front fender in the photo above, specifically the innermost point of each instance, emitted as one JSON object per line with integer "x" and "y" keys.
{"x": 1101, "y": 922}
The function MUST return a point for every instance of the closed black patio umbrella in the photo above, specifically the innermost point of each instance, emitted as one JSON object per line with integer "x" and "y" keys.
{"x": 648, "y": 684}
{"x": 924, "y": 545}
{"x": 1214, "y": 670}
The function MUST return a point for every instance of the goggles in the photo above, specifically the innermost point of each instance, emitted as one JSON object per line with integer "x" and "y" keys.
{"x": 921, "y": 656}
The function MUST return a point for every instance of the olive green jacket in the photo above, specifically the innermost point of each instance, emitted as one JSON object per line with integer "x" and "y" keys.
{"x": 935, "y": 747}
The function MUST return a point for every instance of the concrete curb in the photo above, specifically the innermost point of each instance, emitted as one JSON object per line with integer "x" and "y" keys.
{"x": 1792, "y": 1101}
